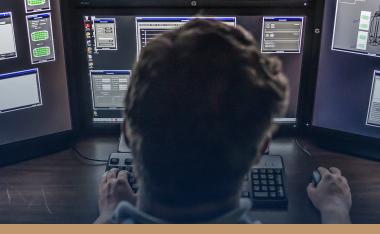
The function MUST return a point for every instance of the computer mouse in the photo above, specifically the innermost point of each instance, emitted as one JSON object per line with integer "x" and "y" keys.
{"x": 316, "y": 178}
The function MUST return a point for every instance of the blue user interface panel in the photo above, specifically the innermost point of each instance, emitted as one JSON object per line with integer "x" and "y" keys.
{"x": 41, "y": 40}
{"x": 282, "y": 35}
{"x": 24, "y": 89}
{"x": 7, "y": 43}
{"x": 105, "y": 34}
{"x": 148, "y": 28}
{"x": 108, "y": 91}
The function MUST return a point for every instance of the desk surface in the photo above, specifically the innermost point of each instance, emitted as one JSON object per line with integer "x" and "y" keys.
{"x": 59, "y": 188}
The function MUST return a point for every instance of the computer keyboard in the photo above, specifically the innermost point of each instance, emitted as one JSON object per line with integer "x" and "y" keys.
{"x": 265, "y": 184}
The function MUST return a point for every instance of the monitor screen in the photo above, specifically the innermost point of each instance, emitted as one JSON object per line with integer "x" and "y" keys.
{"x": 348, "y": 85}
{"x": 34, "y": 99}
{"x": 114, "y": 42}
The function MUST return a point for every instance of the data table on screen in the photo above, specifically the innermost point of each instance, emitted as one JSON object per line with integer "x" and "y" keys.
{"x": 148, "y": 28}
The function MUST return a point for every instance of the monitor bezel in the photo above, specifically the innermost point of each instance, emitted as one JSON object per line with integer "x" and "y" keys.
{"x": 346, "y": 142}
{"x": 32, "y": 148}
{"x": 18, "y": 151}
{"x": 84, "y": 115}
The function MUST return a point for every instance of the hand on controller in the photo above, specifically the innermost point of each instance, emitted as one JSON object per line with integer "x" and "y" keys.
{"x": 113, "y": 188}
{"x": 331, "y": 196}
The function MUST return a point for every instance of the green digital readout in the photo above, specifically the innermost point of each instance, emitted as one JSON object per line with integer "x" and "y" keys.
{"x": 36, "y": 2}
{"x": 41, "y": 52}
{"x": 40, "y": 35}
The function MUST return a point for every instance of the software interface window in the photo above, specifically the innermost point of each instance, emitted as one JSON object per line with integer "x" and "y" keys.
{"x": 282, "y": 35}
{"x": 357, "y": 25}
{"x": 7, "y": 41}
{"x": 37, "y": 5}
{"x": 105, "y": 34}
{"x": 108, "y": 90}
{"x": 19, "y": 90}
{"x": 40, "y": 38}
{"x": 150, "y": 27}
{"x": 374, "y": 104}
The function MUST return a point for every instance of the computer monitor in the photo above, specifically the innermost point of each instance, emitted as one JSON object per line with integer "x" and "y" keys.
{"x": 113, "y": 42}
{"x": 34, "y": 100}
{"x": 347, "y": 98}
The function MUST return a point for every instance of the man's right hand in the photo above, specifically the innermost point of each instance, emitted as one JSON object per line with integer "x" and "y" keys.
{"x": 332, "y": 196}
{"x": 113, "y": 188}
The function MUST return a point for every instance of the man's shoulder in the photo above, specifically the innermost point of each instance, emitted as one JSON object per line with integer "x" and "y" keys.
{"x": 126, "y": 213}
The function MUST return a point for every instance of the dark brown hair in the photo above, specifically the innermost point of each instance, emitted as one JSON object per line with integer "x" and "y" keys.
{"x": 201, "y": 100}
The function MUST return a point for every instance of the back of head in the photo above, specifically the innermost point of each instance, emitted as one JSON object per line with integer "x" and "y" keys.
{"x": 199, "y": 105}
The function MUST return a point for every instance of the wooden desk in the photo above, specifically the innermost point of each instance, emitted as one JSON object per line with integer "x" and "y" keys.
{"x": 58, "y": 188}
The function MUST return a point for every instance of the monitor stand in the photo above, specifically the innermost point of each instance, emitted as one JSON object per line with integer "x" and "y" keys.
{"x": 123, "y": 147}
